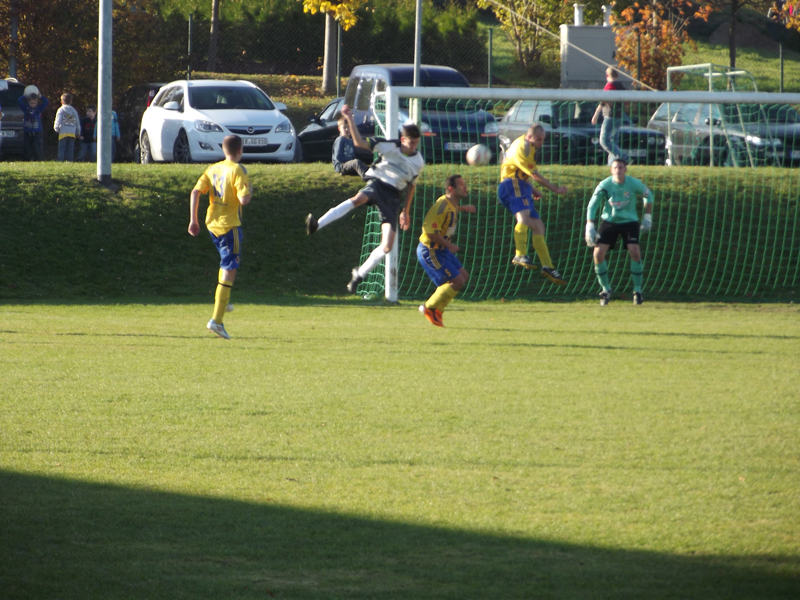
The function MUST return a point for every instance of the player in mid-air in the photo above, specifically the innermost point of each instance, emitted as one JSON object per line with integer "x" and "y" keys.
{"x": 228, "y": 187}
{"x": 390, "y": 185}
{"x": 437, "y": 253}
{"x": 617, "y": 195}
{"x": 516, "y": 193}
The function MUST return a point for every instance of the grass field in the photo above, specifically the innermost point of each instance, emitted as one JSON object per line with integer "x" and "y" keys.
{"x": 337, "y": 449}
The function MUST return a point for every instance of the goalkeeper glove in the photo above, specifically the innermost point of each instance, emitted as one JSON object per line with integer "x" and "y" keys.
{"x": 647, "y": 223}
{"x": 591, "y": 234}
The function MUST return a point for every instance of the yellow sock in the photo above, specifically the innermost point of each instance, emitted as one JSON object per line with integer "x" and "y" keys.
{"x": 221, "y": 300}
{"x": 521, "y": 238}
{"x": 441, "y": 297}
{"x": 541, "y": 250}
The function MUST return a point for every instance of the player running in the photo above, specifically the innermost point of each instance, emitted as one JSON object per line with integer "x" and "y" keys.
{"x": 517, "y": 195}
{"x": 618, "y": 195}
{"x": 437, "y": 254}
{"x": 390, "y": 184}
{"x": 228, "y": 187}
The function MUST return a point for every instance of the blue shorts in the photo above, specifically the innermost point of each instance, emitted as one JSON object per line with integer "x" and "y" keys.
{"x": 517, "y": 195}
{"x": 440, "y": 264}
{"x": 229, "y": 246}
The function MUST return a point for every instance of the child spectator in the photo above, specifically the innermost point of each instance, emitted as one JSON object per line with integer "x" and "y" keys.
{"x": 345, "y": 160}
{"x": 68, "y": 127}
{"x": 115, "y": 135}
{"x": 33, "y": 105}
{"x": 88, "y": 126}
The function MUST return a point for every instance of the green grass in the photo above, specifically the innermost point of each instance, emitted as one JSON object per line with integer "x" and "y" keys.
{"x": 334, "y": 449}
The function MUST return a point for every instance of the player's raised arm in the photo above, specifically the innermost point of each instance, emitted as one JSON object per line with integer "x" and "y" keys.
{"x": 358, "y": 140}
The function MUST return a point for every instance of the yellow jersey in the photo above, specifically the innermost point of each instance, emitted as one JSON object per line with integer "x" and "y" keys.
{"x": 441, "y": 219}
{"x": 520, "y": 160}
{"x": 224, "y": 183}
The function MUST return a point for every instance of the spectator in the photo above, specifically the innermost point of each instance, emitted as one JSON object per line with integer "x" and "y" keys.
{"x": 612, "y": 118}
{"x": 33, "y": 104}
{"x": 68, "y": 127}
{"x": 88, "y": 149}
{"x": 345, "y": 159}
{"x": 115, "y": 135}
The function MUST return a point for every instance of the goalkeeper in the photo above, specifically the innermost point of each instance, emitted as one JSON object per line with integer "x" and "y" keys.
{"x": 516, "y": 194}
{"x": 617, "y": 194}
{"x": 437, "y": 254}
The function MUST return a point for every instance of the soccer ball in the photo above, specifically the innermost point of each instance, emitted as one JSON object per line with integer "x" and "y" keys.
{"x": 31, "y": 91}
{"x": 479, "y": 155}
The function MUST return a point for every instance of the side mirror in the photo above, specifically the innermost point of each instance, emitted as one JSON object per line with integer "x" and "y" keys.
{"x": 172, "y": 105}
{"x": 280, "y": 106}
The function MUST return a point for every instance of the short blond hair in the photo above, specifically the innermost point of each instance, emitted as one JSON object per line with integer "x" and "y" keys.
{"x": 612, "y": 72}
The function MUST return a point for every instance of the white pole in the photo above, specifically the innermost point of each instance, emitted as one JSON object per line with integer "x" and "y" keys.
{"x": 104, "y": 95}
{"x": 392, "y": 259}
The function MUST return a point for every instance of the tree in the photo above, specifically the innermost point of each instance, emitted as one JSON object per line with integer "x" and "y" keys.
{"x": 735, "y": 6}
{"x": 650, "y": 38}
{"x": 343, "y": 12}
{"x": 526, "y": 24}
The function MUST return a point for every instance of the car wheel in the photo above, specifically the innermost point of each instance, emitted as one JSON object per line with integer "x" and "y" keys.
{"x": 299, "y": 154}
{"x": 145, "y": 157}
{"x": 181, "y": 152}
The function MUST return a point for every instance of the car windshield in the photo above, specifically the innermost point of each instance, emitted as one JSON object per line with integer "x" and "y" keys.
{"x": 229, "y": 98}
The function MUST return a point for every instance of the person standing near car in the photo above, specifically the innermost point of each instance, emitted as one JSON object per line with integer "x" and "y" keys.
{"x": 612, "y": 118}
{"x": 33, "y": 105}
{"x": 345, "y": 160}
{"x": 617, "y": 196}
{"x": 88, "y": 149}
{"x": 68, "y": 127}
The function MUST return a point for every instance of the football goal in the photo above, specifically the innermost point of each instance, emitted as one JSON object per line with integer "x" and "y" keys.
{"x": 723, "y": 167}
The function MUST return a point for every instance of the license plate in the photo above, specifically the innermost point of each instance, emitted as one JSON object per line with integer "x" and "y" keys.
{"x": 458, "y": 145}
{"x": 8, "y": 133}
{"x": 254, "y": 141}
{"x": 795, "y": 153}
{"x": 638, "y": 153}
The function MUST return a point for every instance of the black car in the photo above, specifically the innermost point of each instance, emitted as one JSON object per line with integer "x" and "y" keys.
{"x": 315, "y": 140}
{"x": 132, "y": 105}
{"x": 571, "y": 138}
{"x": 449, "y": 127}
{"x": 11, "y": 120}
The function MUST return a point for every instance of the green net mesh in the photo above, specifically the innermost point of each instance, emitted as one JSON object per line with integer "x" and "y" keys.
{"x": 725, "y": 212}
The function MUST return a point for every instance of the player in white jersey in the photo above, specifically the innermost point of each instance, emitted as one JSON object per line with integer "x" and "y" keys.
{"x": 390, "y": 184}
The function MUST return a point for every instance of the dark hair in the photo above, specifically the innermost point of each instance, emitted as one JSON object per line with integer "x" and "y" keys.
{"x": 232, "y": 144}
{"x": 622, "y": 160}
{"x": 450, "y": 182}
{"x": 91, "y": 107}
{"x": 411, "y": 131}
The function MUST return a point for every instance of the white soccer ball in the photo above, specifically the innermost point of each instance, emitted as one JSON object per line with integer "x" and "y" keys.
{"x": 31, "y": 90}
{"x": 479, "y": 155}
{"x": 229, "y": 308}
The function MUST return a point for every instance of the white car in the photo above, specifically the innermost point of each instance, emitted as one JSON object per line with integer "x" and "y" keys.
{"x": 188, "y": 120}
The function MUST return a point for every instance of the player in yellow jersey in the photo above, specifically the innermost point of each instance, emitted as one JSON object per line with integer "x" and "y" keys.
{"x": 516, "y": 193}
{"x": 437, "y": 254}
{"x": 228, "y": 187}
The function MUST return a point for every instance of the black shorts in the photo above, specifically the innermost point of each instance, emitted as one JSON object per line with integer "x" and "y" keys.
{"x": 608, "y": 233}
{"x": 385, "y": 198}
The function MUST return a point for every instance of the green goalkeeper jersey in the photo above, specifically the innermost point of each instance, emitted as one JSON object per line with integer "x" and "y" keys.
{"x": 618, "y": 200}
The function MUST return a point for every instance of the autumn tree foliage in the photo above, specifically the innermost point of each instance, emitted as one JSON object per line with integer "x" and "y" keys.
{"x": 654, "y": 33}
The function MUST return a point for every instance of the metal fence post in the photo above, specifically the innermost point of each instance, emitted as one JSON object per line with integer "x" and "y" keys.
{"x": 189, "y": 57}
{"x": 491, "y": 31}
{"x": 12, "y": 47}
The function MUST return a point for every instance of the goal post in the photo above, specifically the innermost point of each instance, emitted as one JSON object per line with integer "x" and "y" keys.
{"x": 720, "y": 232}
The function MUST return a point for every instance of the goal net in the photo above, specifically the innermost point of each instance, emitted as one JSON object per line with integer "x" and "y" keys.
{"x": 722, "y": 165}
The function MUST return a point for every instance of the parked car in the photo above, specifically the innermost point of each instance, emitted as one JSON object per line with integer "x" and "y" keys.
{"x": 702, "y": 134}
{"x": 132, "y": 104}
{"x": 571, "y": 138}
{"x": 449, "y": 127}
{"x": 187, "y": 121}
{"x": 315, "y": 140}
{"x": 11, "y": 118}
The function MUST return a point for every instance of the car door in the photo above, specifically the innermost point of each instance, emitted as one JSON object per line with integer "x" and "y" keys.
{"x": 685, "y": 134}
{"x": 173, "y": 120}
{"x": 153, "y": 123}
{"x": 318, "y": 137}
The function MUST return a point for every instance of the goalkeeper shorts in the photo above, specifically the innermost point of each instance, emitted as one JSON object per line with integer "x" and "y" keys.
{"x": 609, "y": 232}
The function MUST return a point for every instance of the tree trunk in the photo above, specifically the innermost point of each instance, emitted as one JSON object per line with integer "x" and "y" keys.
{"x": 212, "y": 44}
{"x": 331, "y": 51}
{"x": 732, "y": 37}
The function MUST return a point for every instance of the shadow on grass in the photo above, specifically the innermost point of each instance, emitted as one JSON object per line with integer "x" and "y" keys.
{"x": 69, "y": 539}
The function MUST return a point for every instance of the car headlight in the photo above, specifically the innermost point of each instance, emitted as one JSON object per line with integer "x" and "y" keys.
{"x": 491, "y": 127}
{"x": 755, "y": 140}
{"x": 284, "y": 127}
{"x": 207, "y": 127}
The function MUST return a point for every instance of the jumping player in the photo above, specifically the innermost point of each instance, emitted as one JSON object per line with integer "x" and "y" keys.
{"x": 618, "y": 195}
{"x": 390, "y": 182}
{"x": 228, "y": 187}
{"x": 437, "y": 254}
{"x": 516, "y": 194}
